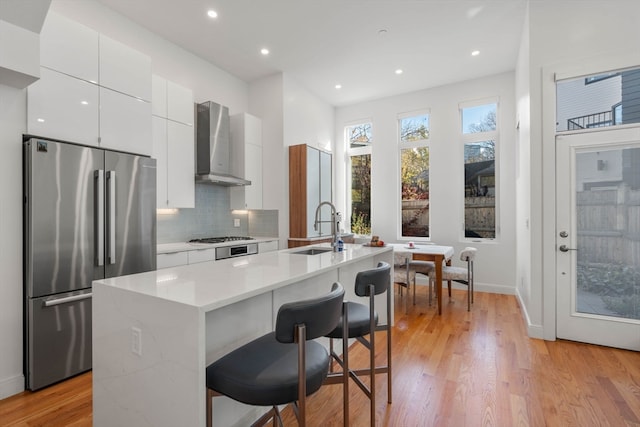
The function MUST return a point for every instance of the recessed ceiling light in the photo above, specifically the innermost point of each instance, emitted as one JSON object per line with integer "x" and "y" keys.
{"x": 40, "y": 120}
{"x": 399, "y": 71}
{"x": 264, "y": 51}
{"x": 212, "y": 13}
{"x": 475, "y": 53}
{"x": 338, "y": 86}
{"x": 84, "y": 103}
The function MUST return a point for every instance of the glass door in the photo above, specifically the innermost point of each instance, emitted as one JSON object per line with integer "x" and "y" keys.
{"x": 598, "y": 237}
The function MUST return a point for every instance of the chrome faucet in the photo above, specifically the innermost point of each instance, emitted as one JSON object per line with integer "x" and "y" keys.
{"x": 334, "y": 234}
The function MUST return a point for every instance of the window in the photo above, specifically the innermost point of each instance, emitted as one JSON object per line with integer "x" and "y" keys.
{"x": 599, "y": 100}
{"x": 479, "y": 135}
{"x": 358, "y": 138}
{"x": 414, "y": 174}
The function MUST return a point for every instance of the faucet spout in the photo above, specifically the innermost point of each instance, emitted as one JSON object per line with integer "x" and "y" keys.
{"x": 334, "y": 234}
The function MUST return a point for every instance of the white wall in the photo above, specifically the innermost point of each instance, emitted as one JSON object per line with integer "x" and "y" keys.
{"x": 266, "y": 102}
{"x": 291, "y": 115}
{"x": 567, "y": 39}
{"x": 13, "y": 123}
{"x": 207, "y": 82}
{"x": 446, "y": 172}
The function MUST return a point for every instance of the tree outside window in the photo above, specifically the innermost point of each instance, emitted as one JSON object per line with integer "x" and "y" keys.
{"x": 359, "y": 138}
{"x": 414, "y": 175}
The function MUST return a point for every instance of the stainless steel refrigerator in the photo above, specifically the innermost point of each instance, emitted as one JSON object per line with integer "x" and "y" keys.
{"x": 88, "y": 214}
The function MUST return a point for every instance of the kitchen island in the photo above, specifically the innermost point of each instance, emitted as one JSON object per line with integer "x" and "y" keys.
{"x": 154, "y": 333}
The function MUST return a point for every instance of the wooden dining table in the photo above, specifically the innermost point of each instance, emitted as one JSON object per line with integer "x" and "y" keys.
{"x": 427, "y": 252}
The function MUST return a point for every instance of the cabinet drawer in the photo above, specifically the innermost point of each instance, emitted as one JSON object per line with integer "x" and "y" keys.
{"x": 267, "y": 246}
{"x": 172, "y": 259}
{"x": 202, "y": 255}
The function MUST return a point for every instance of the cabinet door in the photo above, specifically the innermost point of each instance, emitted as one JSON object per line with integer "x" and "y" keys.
{"x": 159, "y": 133}
{"x": 69, "y": 47}
{"x": 125, "y": 123}
{"x": 180, "y": 165}
{"x": 267, "y": 246}
{"x": 180, "y": 106}
{"x": 159, "y": 96}
{"x": 253, "y": 172}
{"x": 172, "y": 259}
{"x": 63, "y": 107}
{"x": 124, "y": 69}
{"x": 313, "y": 192}
{"x": 202, "y": 255}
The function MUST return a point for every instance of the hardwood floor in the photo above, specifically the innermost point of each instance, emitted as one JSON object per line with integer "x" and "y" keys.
{"x": 458, "y": 369}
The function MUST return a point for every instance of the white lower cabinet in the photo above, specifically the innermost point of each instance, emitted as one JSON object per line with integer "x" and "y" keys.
{"x": 173, "y": 259}
{"x": 63, "y": 107}
{"x": 201, "y": 255}
{"x": 267, "y": 246}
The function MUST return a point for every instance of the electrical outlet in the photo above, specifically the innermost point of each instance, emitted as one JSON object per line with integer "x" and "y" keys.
{"x": 236, "y": 222}
{"x": 136, "y": 341}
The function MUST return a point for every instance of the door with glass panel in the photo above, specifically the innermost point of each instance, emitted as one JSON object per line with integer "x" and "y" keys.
{"x": 598, "y": 237}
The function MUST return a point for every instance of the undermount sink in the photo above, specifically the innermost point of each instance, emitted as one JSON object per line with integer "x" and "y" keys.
{"x": 312, "y": 251}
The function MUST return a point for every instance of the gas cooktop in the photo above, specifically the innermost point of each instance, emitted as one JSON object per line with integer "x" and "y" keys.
{"x": 220, "y": 239}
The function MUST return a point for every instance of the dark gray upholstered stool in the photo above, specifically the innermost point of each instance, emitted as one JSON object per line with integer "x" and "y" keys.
{"x": 283, "y": 366}
{"x": 359, "y": 320}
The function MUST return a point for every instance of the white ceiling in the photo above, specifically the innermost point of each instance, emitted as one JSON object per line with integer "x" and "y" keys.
{"x": 321, "y": 43}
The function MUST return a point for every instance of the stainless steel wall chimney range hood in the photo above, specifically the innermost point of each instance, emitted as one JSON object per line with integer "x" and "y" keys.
{"x": 213, "y": 146}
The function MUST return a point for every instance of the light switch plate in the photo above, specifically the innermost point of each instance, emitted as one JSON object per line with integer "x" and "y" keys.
{"x": 236, "y": 222}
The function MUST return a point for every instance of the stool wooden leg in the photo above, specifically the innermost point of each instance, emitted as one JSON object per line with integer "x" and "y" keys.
{"x": 209, "y": 407}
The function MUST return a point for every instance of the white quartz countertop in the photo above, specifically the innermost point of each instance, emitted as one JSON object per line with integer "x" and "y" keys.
{"x": 214, "y": 284}
{"x": 167, "y": 248}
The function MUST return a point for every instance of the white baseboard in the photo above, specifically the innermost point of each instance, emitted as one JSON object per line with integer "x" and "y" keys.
{"x": 533, "y": 331}
{"x": 11, "y": 386}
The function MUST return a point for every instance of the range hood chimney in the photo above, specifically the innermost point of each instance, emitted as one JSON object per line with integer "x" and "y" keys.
{"x": 213, "y": 146}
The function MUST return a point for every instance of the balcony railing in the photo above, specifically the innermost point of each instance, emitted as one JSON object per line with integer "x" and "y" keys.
{"x": 596, "y": 120}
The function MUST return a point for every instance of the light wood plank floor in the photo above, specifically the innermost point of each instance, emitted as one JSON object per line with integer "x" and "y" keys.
{"x": 458, "y": 369}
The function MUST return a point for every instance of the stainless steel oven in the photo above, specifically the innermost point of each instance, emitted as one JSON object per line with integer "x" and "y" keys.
{"x": 236, "y": 250}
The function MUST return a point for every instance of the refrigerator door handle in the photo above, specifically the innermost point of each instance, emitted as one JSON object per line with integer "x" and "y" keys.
{"x": 99, "y": 203}
{"x": 58, "y": 301}
{"x": 111, "y": 224}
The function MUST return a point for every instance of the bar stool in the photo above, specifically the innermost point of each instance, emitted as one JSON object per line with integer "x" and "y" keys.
{"x": 359, "y": 320}
{"x": 283, "y": 366}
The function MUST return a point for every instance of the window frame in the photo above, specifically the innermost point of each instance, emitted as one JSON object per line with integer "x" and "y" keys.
{"x": 478, "y": 137}
{"x": 350, "y": 152}
{"x": 402, "y": 145}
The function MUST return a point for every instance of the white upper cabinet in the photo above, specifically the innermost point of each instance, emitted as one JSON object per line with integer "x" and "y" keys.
{"x": 173, "y": 144}
{"x": 69, "y": 47}
{"x": 63, "y": 107}
{"x": 125, "y": 123}
{"x": 159, "y": 96}
{"x": 246, "y": 155}
{"x": 179, "y": 104}
{"x": 180, "y": 165}
{"x": 159, "y": 133}
{"x": 124, "y": 69}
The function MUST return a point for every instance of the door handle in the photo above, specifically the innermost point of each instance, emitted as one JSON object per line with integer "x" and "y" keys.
{"x": 111, "y": 220}
{"x": 565, "y": 248}
{"x": 65, "y": 300}
{"x": 99, "y": 209}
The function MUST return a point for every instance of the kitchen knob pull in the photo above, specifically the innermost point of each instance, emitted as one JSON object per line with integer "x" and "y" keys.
{"x": 565, "y": 248}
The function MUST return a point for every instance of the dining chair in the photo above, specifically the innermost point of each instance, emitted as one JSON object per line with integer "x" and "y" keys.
{"x": 459, "y": 275}
{"x": 405, "y": 270}
{"x": 281, "y": 367}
